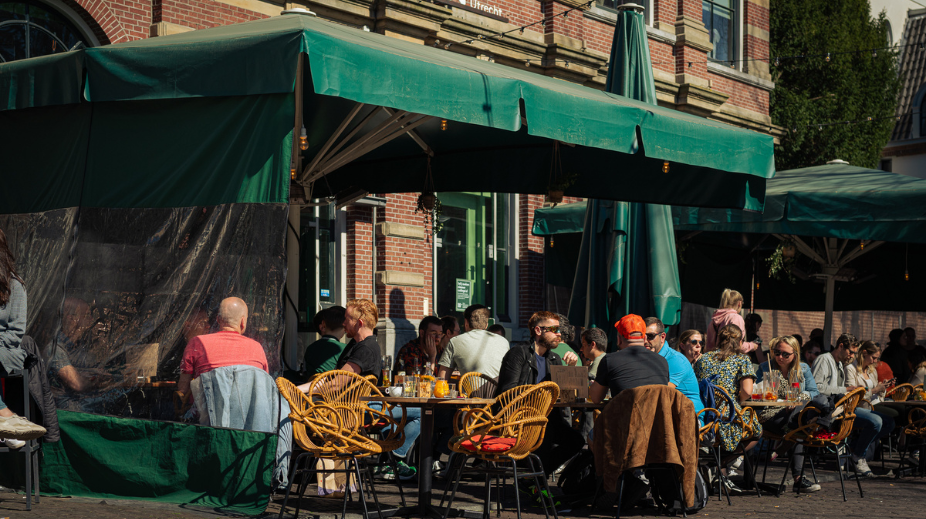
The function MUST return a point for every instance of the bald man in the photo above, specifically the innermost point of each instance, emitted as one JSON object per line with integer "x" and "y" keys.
{"x": 226, "y": 347}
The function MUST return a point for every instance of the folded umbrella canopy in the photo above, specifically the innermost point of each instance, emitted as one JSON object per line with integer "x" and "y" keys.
{"x": 219, "y": 107}
{"x": 627, "y": 261}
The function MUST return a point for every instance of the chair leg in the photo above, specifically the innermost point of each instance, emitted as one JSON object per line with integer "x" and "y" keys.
{"x": 373, "y": 490}
{"x": 453, "y": 478}
{"x": 485, "y": 507}
{"x": 768, "y": 458}
{"x": 541, "y": 488}
{"x": 749, "y": 472}
{"x": 858, "y": 480}
{"x": 787, "y": 465}
{"x": 398, "y": 482}
{"x": 620, "y": 494}
{"x": 363, "y": 500}
{"x": 517, "y": 498}
{"x": 841, "y": 482}
{"x": 721, "y": 488}
{"x": 681, "y": 491}
{"x": 289, "y": 488}
{"x": 456, "y": 476}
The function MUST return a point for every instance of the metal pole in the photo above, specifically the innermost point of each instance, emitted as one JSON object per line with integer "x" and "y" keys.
{"x": 291, "y": 323}
{"x": 829, "y": 271}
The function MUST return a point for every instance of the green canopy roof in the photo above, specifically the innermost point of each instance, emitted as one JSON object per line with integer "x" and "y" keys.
{"x": 833, "y": 200}
{"x": 712, "y": 164}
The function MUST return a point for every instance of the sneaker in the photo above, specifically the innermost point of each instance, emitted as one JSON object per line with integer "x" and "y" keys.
{"x": 13, "y": 444}
{"x": 535, "y": 495}
{"x": 406, "y": 473}
{"x": 18, "y": 428}
{"x": 861, "y": 467}
{"x": 804, "y": 486}
{"x": 731, "y": 487}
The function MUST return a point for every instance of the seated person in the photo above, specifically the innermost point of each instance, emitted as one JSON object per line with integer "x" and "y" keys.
{"x": 362, "y": 356}
{"x": 476, "y": 350}
{"x": 497, "y": 329}
{"x": 322, "y": 355}
{"x": 75, "y": 322}
{"x": 421, "y": 354}
{"x": 530, "y": 364}
{"x": 594, "y": 348}
{"x": 632, "y": 365}
{"x": 681, "y": 374}
{"x": 226, "y": 347}
{"x": 567, "y": 336}
{"x": 450, "y": 328}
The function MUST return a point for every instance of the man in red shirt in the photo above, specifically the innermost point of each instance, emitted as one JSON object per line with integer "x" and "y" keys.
{"x": 226, "y": 347}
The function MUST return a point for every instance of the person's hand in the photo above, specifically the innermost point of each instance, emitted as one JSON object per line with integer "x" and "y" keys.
{"x": 879, "y": 388}
{"x": 430, "y": 347}
{"x": 571, "y": 359}
{"x": 851, "y": 388}
{"x": 696, "y": 358}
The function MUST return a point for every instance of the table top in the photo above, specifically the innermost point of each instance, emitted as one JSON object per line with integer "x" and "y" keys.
{"x": 415, "y": 401}
{"x": 770, "y": 403}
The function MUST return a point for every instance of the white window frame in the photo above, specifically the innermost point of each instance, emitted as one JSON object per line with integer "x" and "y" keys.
{"x": 739, "y": 35}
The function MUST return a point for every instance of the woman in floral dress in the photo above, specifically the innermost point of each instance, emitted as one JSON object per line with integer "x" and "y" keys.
{"x": 736, "y": 376}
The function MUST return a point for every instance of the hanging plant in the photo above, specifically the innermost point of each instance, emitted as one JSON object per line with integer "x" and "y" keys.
{"x": 782, "y": 261}
{"x": 559, "y": 181}
{"x": 432, "y": 214}
{"x": 429, "y": 205}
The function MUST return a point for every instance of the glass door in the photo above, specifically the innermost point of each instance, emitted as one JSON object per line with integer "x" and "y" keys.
{"x": 462, "y": 252}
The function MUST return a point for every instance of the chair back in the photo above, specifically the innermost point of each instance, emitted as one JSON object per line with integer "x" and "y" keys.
{"x": 477, "y": 385}
{"x": 845, "y": 414}
{"x": 729, "y": 414}
{"x": 900, "y": 393}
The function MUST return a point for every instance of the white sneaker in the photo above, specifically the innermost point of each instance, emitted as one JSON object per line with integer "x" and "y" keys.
{"x": 13, "y": 444}
{"x": 861, "y": 467}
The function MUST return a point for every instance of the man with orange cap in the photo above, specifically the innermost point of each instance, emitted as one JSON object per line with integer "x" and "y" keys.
{"x": 633, "y": 365}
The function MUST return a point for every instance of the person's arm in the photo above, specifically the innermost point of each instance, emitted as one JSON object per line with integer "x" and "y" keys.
{"x": 810, "y": 385}
{"x": 73, "y": 379}
{"x": 12, "y": 336}
{"x": 745, "y": 389}
{"x": 445, "y": 364}
{"x": 823, "y": 375}
{"x": 443, "y": 372}
{"x": 510, "y": 370}
{"x": 183, "y": 385}
{"x": 597, "y": 392}
{"x": 570, "y": 358}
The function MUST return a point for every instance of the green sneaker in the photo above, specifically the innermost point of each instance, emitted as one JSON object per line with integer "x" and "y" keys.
{"x": 534, "y": 496}
{"x": 406, "y": 473}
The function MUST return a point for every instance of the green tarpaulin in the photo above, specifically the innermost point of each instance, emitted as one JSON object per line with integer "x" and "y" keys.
{"x": 487, "y": 142}
{"x": 833, "y": 200}
{"x": 102, "y": 456}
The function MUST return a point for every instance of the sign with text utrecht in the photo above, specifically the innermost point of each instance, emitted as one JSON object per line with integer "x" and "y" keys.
{"x": 475, "y": 6}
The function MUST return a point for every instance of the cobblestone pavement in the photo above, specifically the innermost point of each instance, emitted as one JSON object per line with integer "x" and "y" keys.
{"x": 884, "y": 497}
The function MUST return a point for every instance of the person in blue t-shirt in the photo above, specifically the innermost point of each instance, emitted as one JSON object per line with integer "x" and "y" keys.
{"x": 681, "y": 374}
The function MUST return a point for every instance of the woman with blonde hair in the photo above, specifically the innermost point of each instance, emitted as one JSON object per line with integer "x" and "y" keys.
{"x": 731, "y": 303}
{"x": 732, "y": 371}
{"x": 786, "y": 367}
{"x": 864, "y": 373}
{"x": 691, "y": 344}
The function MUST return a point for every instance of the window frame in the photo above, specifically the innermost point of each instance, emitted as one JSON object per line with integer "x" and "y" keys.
{"x": 738, "y": 21}
{"x": 70, "y": 16}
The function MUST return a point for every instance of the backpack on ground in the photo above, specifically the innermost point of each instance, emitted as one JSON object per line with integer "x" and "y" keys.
{"x": 578, "y": 476}
{"x": 667, "y": 495}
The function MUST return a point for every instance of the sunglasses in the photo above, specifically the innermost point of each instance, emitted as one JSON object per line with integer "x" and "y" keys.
{"x": 695, "y": 342}
{"x": 651, "y": 336}
{"x": 554, "y": 329}
{"x": 779, "y": 353}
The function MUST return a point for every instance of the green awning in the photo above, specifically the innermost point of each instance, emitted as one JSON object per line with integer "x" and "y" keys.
{"x": 833, "y": 200}
{"x": 488, "y": 143}
{"x": 561, "y": 219}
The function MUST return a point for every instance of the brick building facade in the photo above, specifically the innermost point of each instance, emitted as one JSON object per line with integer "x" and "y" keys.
{"x": 707, "y": 58}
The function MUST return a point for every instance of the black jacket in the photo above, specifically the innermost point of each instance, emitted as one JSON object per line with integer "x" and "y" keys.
{"x": 519, "y": 367}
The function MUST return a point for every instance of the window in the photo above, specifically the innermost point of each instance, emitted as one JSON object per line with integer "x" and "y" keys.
{"x": 885, "y": 165}
{"x": 473, "y": 260}
{"x": 719, "y": 17}
{"x": 31, "y": 29}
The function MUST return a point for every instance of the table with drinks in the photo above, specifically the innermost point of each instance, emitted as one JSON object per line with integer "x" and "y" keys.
{"x": 428, "y": 393}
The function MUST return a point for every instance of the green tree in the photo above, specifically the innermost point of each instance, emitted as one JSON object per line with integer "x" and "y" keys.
{"x": 812, "y": 89}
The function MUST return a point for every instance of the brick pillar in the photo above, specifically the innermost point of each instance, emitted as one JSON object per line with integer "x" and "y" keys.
{"x": 359, "y": 253}
{"x": 530, "y": 252}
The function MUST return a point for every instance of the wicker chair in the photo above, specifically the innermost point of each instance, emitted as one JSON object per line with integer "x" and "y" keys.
{"x": 727, "y": 413}
{"x": 709, "y": 436}
{"x": 807, "y": 433}
{"x": 474, "y": 381}
{"x": 508, "y": 430}
{"x": 328, "y": 424}
{"x": 900, "y": 393}
{"x": 915, "y": 428}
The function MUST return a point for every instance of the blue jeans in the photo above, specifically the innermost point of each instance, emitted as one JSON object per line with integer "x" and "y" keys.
{"x": 871, "y": 427}
{"x": 2, "y": 404}
{"x": 412, "y": 425}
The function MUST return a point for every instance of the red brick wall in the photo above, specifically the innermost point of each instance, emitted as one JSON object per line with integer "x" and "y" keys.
{"x": 404, "y": 255}
{"x": 201, "y": 14}
{"x": 530, "y": 252}
{"x": 360, "y": 253}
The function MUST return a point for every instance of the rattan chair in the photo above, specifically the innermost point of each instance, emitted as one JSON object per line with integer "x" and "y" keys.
{"x": 915, "y": 428}
{"x": 333, "y": 424}
{"x": 728, "y": 414}
{"x": 807, "y": 433}
{"x": 900, "y": 392}
{"x": 474, "y": 381}
{"x": 507, "y": 431}
{"x": 709, "y": 436}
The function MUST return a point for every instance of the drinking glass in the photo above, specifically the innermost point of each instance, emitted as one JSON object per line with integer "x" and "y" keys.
{"x": 453, "y": 391}
{"x": 410, "y": 385}
{"x": 441, "y": 389}
{"x": 757, "y": 391}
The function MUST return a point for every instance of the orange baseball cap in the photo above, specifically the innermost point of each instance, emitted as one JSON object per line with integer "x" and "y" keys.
{"x": 631, "y": 324}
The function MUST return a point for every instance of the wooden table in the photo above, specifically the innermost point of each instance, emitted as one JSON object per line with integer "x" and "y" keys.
{"x": 425, "y": 451}
{"x": 578, "y": 404}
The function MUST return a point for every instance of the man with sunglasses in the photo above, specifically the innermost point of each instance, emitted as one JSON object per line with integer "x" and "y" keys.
{"x": 681, "y": 374}
{"x": 829, "y": 372}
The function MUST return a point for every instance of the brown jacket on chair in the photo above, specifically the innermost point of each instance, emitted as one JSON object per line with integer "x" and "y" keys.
{"x": 644, "y": 425}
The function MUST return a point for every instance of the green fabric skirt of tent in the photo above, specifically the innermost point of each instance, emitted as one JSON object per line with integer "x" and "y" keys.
{"x": 121, "y": 458}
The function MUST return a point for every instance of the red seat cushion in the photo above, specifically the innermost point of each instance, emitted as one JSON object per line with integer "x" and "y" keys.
{"x": 490, "y": 444}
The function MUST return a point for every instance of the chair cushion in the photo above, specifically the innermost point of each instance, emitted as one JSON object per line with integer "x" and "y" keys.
{"x": 490, "y": 444}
